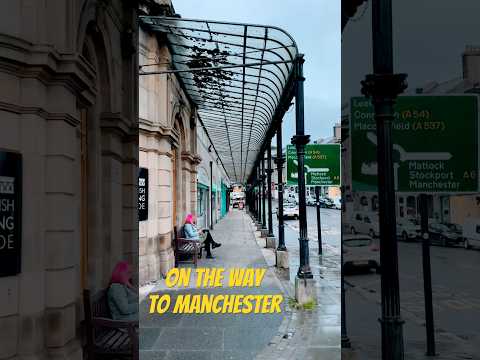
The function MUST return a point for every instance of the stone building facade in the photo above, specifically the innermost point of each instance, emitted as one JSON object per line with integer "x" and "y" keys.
{"x": 211, "y": 183}
{"x": 68, "y": 105}
{"x": 168, "y": 149}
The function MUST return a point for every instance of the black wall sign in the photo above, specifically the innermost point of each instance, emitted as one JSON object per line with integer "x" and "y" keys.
{"x": 142, "y": 194}
{"x": 10, "y": 213}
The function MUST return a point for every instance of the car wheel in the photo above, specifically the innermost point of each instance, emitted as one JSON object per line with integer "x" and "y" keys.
{"x": 466, "y": 244}
{"x": 296, "y": 217}
{"x": 352, "y": 230}
{"x": 371, "y": 233}
{"x": 404, "y": 236}
{"x": 378, "y": 269}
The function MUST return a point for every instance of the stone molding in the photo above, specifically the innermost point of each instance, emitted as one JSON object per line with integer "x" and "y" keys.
{"x": 156, "y": 151}
{"x": 35, "y": 110}
{"x": 43, "y": 62}
{"x": 148, "y": 128}
{"x": 192, "y": 158}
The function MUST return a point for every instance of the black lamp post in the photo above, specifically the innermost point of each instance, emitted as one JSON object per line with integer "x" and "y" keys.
{"x": 383, "y": 87}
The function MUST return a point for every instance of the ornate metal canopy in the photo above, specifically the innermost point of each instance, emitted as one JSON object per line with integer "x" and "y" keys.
{"x": 236, "y": 74}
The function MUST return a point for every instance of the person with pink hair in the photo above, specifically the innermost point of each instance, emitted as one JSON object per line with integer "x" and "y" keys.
{"x": 191, "y": 232}
{"x": 122, "y": 295}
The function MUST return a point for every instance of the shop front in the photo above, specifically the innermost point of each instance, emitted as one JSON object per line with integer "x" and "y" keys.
{"x": 202, "y": 205}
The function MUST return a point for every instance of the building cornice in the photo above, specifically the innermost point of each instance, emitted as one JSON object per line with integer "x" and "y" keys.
{"x": 25, "y": 60}
{"x": 35, "y": 110}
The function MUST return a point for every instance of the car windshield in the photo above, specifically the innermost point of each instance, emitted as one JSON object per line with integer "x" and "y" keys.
{"x": 455, "y": 227}
{"x": 357, "y": 242}
{"x": 440, "y": 227}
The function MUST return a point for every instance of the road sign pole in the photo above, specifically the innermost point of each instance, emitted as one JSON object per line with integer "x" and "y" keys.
{"x": 319, "y": 223}
{"x": 345, "y": 341}
{"x": 427, "y": 276}
{"x": 383, "y": 87}
{"x": 300, "y": 140}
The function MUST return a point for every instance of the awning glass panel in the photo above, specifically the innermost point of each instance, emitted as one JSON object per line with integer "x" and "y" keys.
{"x": 235, "y": 74}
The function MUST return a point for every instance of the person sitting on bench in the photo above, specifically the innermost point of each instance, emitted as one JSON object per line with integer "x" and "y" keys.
{"x": 122, "y": 295}
{"x": 191, "y": 232}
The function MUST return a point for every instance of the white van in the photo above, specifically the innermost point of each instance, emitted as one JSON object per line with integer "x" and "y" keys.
{"x": 365, "y": 223}
{"x": 471, "y": 232}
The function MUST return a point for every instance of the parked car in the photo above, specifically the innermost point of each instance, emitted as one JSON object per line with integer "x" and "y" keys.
{"x": 408, "y": 229}
{"x": 359, "y": 251}
{"x": 311, "y": 201}
{"x": 443, "y": 235}
{"x": 326, "y": 202}
{"x": 471, "y": 232}
{"x": 291, "y": 197}
{"x": 290, "y": 210}
{"x": 337, "y": 203}
{"x": 365, "y": 223}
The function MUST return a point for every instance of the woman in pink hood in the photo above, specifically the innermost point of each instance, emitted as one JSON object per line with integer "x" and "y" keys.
{"x": 191, "y": 232}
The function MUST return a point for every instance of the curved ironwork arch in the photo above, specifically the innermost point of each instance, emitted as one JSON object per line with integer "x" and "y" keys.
{"x": 236, "y": 75}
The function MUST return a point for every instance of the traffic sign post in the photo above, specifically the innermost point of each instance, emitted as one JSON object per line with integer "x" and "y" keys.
{"x": 322, "y": 168}
{"x": 435, "y": 144}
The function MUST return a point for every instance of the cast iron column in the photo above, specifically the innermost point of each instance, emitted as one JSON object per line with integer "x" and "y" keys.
{"x": 264, "y": 216}
{"x": 383, "y": 87}
{"x": 279, "y": 161}
{"x": 211, "y": 195}
{"x": 300, "y": 140}
{"x": 269, "y": 189}
{"x": 259, "y": 195}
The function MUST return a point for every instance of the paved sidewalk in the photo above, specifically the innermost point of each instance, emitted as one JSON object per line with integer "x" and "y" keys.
{"x": 309, "y": 334}
{"x": 214, "y": 336}
{"x": 291, "y": 335}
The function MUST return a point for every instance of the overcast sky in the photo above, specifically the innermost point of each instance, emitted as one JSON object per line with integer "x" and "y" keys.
{"x": 429, "y": 38}
{"x": 315, "y": 26}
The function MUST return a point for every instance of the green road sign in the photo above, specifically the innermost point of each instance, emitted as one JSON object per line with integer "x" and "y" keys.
{"x": 435, "y": 144}
{"x": 322, "y": 165}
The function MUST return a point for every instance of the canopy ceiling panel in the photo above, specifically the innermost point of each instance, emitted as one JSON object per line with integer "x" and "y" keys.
{"x": 235, "y": 74}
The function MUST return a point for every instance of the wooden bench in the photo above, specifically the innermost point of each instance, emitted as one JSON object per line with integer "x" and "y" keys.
{"x": 107, "y": 338}
{"x": 189, "y": 247}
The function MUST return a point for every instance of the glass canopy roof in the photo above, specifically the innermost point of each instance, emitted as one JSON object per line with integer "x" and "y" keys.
{"x": 235, "y": 74}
